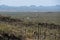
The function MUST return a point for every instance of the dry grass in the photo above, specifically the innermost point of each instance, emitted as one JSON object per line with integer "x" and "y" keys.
{"x": 28, "y": 30}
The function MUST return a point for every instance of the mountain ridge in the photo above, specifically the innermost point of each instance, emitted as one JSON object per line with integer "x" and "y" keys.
{"x": 31, "y": 8}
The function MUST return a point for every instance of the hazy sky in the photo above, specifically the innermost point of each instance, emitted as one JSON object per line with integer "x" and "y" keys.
{"x": 30, "y": 2}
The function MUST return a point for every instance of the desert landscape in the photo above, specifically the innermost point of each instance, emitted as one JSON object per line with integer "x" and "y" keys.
{"x": 29, "y": 25}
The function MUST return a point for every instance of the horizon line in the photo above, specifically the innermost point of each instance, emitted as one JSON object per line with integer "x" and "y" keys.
{"x": 27, "y": 5}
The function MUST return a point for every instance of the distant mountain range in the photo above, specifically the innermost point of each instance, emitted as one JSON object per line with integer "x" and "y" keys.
{"x": 32, "y": 8}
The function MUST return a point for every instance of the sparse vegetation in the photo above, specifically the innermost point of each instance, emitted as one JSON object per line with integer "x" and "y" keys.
{"x": 30, "y": 26}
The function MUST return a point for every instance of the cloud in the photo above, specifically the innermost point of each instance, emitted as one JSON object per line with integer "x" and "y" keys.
{"x": 30, "y": 2}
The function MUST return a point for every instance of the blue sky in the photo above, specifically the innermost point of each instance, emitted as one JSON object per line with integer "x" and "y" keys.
{"x": 30, "y": 2}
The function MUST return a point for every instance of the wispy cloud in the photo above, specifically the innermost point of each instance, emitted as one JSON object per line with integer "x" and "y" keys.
{"x": 30, "y": 2}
